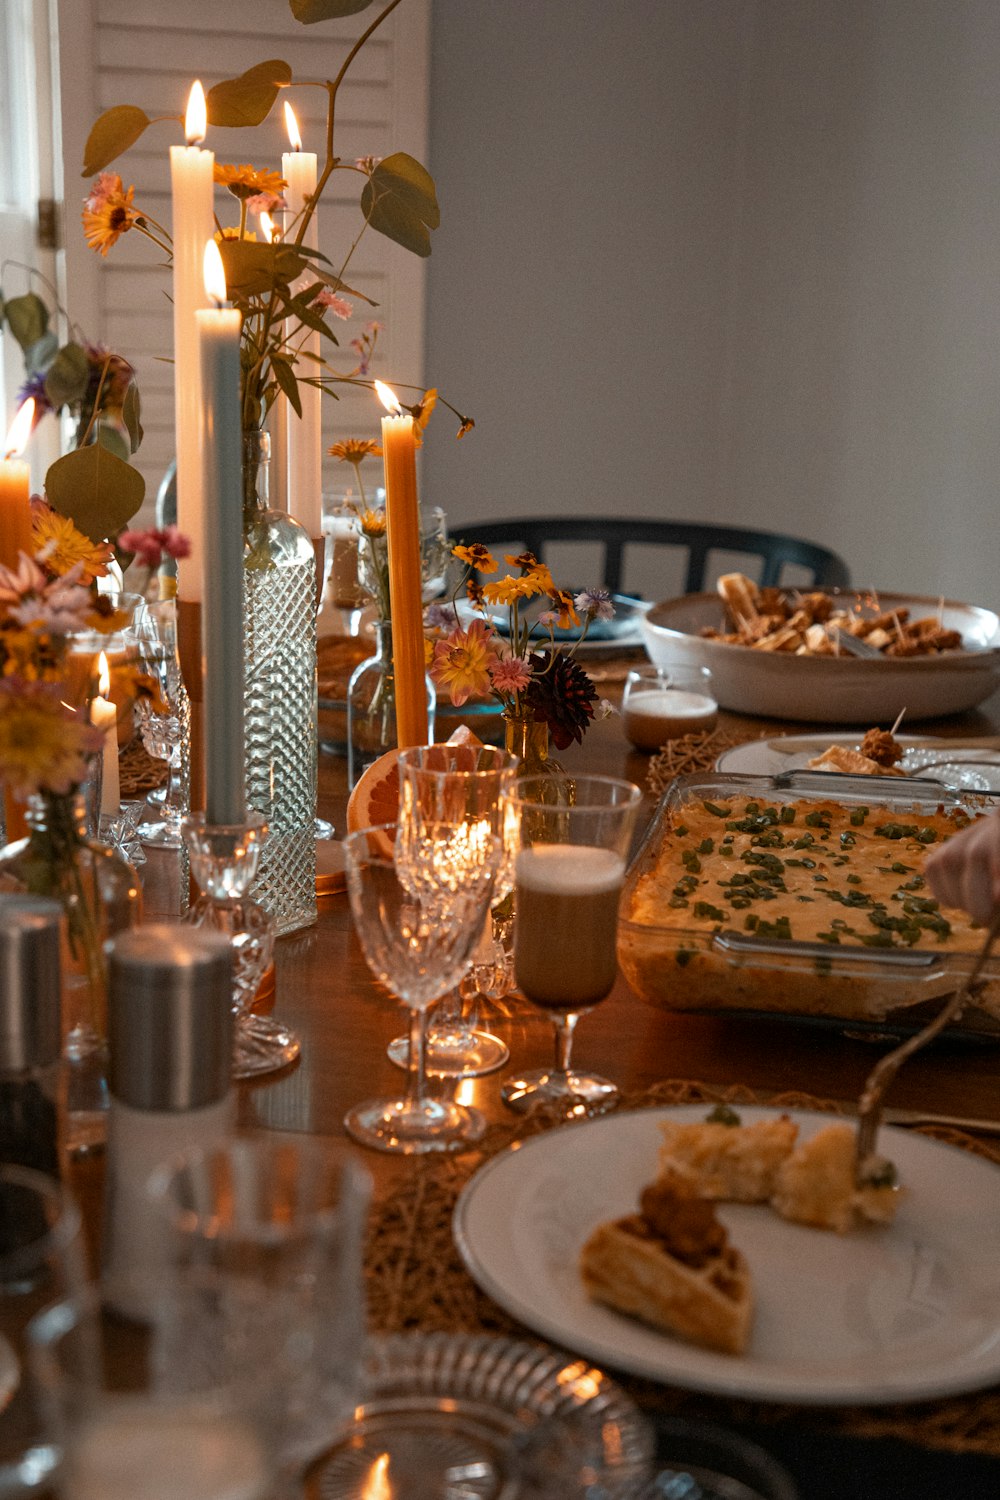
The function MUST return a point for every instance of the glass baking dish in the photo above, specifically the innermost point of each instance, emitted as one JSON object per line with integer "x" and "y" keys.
{"x": 709, "y": 960}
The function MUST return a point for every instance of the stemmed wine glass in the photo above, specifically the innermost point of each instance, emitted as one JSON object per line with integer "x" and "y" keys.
{"x": 417, "y": 925}
{"x": 163, "y": 733}
{"x": 572, "y": 844}
{"x": 460, "y": 787}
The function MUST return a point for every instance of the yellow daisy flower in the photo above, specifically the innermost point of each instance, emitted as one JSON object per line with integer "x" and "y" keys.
{"x": 508, "y": 590}
{"x": 60, "y": 546}
{"x": 422, "y": 414}
{"x": 372, "y": 522}
{"x": 108, "y": 215}
{"x": 564, "y": 606}
{"x": 477, "y": 556}
{"x": 229, "y": 233}
{"x": 246, "y": 181}
{"x": 353, "y": 450}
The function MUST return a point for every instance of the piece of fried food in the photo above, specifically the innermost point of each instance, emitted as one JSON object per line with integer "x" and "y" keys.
{"x": 727, "y": 1159}
{"x": 671, "y": 1266}
{"x": 816, "y": 1186}
{"x": 850, "y": 763}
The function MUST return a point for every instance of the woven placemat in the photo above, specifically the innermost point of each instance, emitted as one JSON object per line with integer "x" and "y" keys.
{"x": 416, "y": 1279}
{"x": 687, "y": 753}
{"x": 139, "y": 772}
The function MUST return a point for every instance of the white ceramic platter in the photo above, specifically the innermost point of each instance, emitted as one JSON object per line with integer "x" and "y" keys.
{"x": 832, "y": 689}
{"x": 962, "y": 765}
{"x": 897, "y": 1313}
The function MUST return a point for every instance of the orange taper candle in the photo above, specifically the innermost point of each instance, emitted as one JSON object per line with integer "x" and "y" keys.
{"x": 15, "y": 491}
{"x": 402, "y": 518}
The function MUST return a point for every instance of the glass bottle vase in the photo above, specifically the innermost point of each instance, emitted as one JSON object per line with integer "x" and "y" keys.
{"x": 371, "y": 707}
{"x": 528, "y": 738}
{"x": 279, "y": 695}
{"x": 99, "y": 893}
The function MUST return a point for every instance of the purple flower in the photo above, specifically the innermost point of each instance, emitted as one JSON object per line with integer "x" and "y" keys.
{"x": 440, "y": 617}
{"x": 596, "y": 603}
{"x": 34, "y": 389}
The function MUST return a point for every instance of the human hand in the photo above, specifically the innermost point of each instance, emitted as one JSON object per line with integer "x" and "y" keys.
{"x": 965, "y": 871}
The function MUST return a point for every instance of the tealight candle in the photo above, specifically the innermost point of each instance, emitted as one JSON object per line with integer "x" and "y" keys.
{"x": 662, "y": 705}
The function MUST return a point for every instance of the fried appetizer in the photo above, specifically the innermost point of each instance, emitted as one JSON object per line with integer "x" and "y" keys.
{"x": 671, "y": 1266}
{"x": 816, "y": 1185}
{"x": 728, "y": 1160}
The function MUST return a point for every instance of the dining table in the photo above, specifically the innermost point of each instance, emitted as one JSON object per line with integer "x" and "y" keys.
{"x": 416, "y": 1279}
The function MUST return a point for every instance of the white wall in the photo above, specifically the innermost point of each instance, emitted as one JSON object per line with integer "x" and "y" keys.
{"x": 735, "y": 260}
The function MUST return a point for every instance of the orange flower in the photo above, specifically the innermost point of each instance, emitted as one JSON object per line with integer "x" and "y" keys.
{"x": 244, "y": 181}
{"x": 108, "y": 212}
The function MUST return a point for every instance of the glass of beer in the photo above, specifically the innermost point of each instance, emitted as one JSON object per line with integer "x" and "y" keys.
{"x": 662, "y": 703}
{"x": 572, "y": 838}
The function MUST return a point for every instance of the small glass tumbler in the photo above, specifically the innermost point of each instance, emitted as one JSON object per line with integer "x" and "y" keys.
{"x": 41, "y": 1260}
{"x": 663, "y": 703}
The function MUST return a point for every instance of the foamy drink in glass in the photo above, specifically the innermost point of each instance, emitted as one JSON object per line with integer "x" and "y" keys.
{"x": 567, "y": 922}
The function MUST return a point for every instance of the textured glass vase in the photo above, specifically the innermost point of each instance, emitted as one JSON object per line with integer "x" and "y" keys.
{"x": 280, "y": 696}
{"x": 371, "y": 707}
{"x": 99, "y": 895}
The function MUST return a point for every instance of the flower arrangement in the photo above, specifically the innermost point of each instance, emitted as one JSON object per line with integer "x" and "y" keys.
{"x": 94, "y": 486}
{"x": 281, "y": 286}
{"x": 45, "y": 733}
{"x": 525, "y": 669}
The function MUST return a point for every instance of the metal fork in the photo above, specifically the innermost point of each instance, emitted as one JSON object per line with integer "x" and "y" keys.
{"x": 854, "y": 645}
{"x": 869, "y": 1168}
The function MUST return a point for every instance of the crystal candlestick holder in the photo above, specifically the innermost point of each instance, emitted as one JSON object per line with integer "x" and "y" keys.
{"x": 224, "y": 865}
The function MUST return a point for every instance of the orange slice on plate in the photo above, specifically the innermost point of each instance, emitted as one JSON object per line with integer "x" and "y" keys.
{"x": 375, "y": 798}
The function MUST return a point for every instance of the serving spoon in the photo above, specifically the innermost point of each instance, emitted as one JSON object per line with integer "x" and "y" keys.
{"x": 870, "y": 1169}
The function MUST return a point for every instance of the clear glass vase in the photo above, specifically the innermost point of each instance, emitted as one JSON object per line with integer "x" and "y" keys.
{"x": 280, "y": 695}
{"x": 99, "y": 893}
{"x": 371, "y": 707}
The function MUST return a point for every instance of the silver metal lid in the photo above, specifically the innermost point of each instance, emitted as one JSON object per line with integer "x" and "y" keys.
{"x": 29, "y": 982}
{"x": 170, "y": 1023}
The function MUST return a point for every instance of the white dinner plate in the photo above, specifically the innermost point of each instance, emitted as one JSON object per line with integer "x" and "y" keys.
{"x": 898, "y": 1313}
{"x": 963, "y": 765}
{"x": 623, "y": 631}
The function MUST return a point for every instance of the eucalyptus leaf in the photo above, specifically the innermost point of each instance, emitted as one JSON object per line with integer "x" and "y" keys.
{"x": 132, "y": 415}
{"x": 248, "y": 100}
{"x": 111, "y": 134}
{"x": 39, "y": 355}
{"x": 285, "y": 376}
{"x": 27, "y": 318}
{"x": 97, "y": 490}
{"x": 311, "y": 11}
{"x": 110, "y": 437}
{"x": 399, "y": 201}
{"x": 253, "y": 268}
{"x": 68, "y": 376}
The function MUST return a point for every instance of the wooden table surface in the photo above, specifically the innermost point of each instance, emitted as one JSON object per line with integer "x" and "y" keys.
{"x": 325, "y": 991}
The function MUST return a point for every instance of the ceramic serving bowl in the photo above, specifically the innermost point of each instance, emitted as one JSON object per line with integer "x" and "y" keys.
{"x": 832, "y": 689}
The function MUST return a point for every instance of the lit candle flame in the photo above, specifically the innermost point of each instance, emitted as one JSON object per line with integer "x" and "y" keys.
{"x": 267, "y": 225}
{"x": 387, "y": 396}
{"x": 292, "y": 126}
{"x": 196, "y": 119}
{"x": 377, "y": 1486}
{"x": 103, "y": 676}
{"x": 215, "y": 274}
{"x": 20, "y": 429}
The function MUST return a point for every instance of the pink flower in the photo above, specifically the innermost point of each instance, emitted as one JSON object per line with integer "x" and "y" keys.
{"x": 339, "y": 306}
{"x": 511, "y": 675}
{"x": 149, "y": 546}
{"x": 36, "y": 602}
{"x": 265, "y": 203}
{"x": 107, "y": 185}
{"x": 367, "y": 163}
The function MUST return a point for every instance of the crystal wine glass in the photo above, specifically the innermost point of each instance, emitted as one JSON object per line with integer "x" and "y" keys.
{"x": 223, "y": 865}
{"x": 569, "y": 868}
{"x": 163, "y": 733}
{"x": 417, "y": 925}
{"x": 460, "y": 787}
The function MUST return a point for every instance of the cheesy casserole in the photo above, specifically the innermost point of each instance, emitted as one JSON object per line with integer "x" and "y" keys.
{"x": 758, "y": 899}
